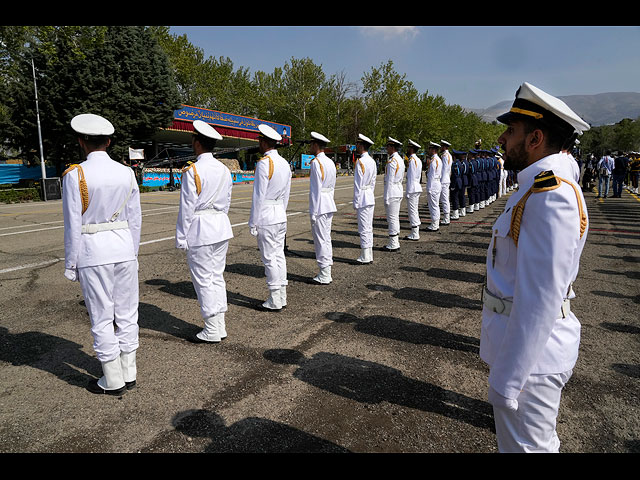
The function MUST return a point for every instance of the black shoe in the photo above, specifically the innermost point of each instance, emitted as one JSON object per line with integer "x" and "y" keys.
{"x": 93, "y": 387}
{"x": 130, "y": 385}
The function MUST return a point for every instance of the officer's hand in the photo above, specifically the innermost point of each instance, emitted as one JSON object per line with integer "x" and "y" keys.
{"x": 313, "y": 220}
{"x": 499, "y": 401}
{"x": 253, "y": 231}
{"x": 182, "y": 245}
{"x": 71, "y": 274}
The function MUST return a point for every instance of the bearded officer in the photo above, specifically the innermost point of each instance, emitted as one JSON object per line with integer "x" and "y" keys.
{"x": 434, "y": 174}
{"x": 529, "y": 335}
{"x": 393, "y": 176}
{"x": 414, "y": 189}
{"x": 203, "y": 229}
{"x": 102, "y": 222}
{"x": 445, "y": 182}
{"x": 364, "y": 183}
{"x": 322, "y": 205}
{"x": 268, "y": 217}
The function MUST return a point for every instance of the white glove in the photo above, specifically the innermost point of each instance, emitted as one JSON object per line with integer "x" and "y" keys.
{"x": 499, "y": 401}
{"x": 182, "y": 245}
{"x": 253, "y": 231}
{"x": 313, "y": 220}
{"x": 71, "y": 274}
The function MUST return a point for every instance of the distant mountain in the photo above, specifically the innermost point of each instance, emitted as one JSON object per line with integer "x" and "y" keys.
{"x": 597, "y": 110}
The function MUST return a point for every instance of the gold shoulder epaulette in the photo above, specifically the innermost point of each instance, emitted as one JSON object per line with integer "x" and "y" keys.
{"x": 319, "y": 165}
{"x": 545, "y": 181}
{"x": 270, "y": 165}
{"x": 196, "y": 177}
{"x": 82, "y": 185}
{"x": 70, "y": 168}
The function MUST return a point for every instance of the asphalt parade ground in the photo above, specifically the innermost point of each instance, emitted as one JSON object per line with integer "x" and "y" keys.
{"x": 384, "y": 359}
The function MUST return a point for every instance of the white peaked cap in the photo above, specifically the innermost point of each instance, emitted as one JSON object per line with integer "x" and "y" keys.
{"x": 319, "y": 136}
{"x": 207, "y": 130}
{"x": 433, "y": 144}
{"x": 91, "y": 124}
{"x": 535, "y": 103}
{"x": 365, "y": 139}
{"x": 411, "y": 142}
{"x": 269, "y": 132}
{"x": 445, "y": 142}
{"x": 393, "y": 140}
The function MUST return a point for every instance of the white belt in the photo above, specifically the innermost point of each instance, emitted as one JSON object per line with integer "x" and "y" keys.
{"x": 208, "y": 211}
{"x": 503, "y": 306}
{"x": 273, "y": 202}
{"x": 367, "y": 187}
{"x": 326, "y": 190}
{"x": 91, "y": 228}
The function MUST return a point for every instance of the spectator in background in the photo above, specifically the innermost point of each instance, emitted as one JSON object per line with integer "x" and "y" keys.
{"x": 618, "y": 173}
{"x": 605, "y": 166}
{"x": 634, "y": 170}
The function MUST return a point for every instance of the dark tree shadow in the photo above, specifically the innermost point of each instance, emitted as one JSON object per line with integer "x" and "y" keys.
{"x": 250, "y": 435}
{"x": 632, "y": 371}
{"x": 373, "y": 383}
{"x": 405, "y": 331}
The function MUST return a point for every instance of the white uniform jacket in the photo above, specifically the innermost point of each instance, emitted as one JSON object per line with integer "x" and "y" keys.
{"x": 364, "y": 181}
{"x": 108, "y": 185}
{"x": 322, "y": 185}
{"x": 536, "y": 275}
{"x": 393, "y": 176}
{"x": 414, "y": 175}
{"x": 271, "y": 188}
{"x": 447, "y": 160}
{"x": 434, "y": 173}
{"x": 205, "y": 197}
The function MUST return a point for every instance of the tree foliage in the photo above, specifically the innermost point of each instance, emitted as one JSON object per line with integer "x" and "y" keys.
{"x": 119, "y": 72}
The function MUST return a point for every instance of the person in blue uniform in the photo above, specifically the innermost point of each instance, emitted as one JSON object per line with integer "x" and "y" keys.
{"x": 457, "y": 185}
{"x": 474, "y": 200}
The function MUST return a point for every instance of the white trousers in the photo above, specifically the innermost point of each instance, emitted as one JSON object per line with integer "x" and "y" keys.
{"x": 503, "y": 183}
{"x": 321, "y": 232}
{"x": 413, "y": 199}
{"x": 111, "y": 295}
{"x": 365, "y": 226}
{"x": 532, "y": 428}
{"x": 393, "y": 215}
{"x": 271, "y": 244}
{"x": 444, "y": 198}
{"x": 206, "y": 265}
{"x": 433, "y": 200}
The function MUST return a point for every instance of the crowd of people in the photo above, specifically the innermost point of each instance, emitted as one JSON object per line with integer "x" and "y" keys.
{"x": 613, "y": 171}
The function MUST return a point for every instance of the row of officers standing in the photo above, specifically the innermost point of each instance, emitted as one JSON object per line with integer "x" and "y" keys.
{"x": 102, "y": 216}
{"x": 529, "y": 335}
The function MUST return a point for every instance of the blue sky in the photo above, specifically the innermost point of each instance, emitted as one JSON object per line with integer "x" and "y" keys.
{"x": 475, "y": 67}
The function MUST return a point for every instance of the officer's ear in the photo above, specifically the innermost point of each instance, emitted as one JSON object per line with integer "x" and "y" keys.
{"x": 535, "y": 139}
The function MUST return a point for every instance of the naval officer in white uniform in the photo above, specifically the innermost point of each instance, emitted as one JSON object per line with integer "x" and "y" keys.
{"x": 102, "y": 222}
{"x": 529, "y": 335}
{"x": 268, "y": 217}
{"x": 434, "y": 174}
{"x": 203, "y": 229}
{"x": 364, "y": 184}
{"x": 445, "y": 182}
{"x": 393, "y": 177}
{"x": 322, "y": 206}
{"x": 413, "y": 189}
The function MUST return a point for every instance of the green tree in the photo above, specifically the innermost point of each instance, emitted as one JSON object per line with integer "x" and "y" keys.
{"x": 118, "y": 72}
